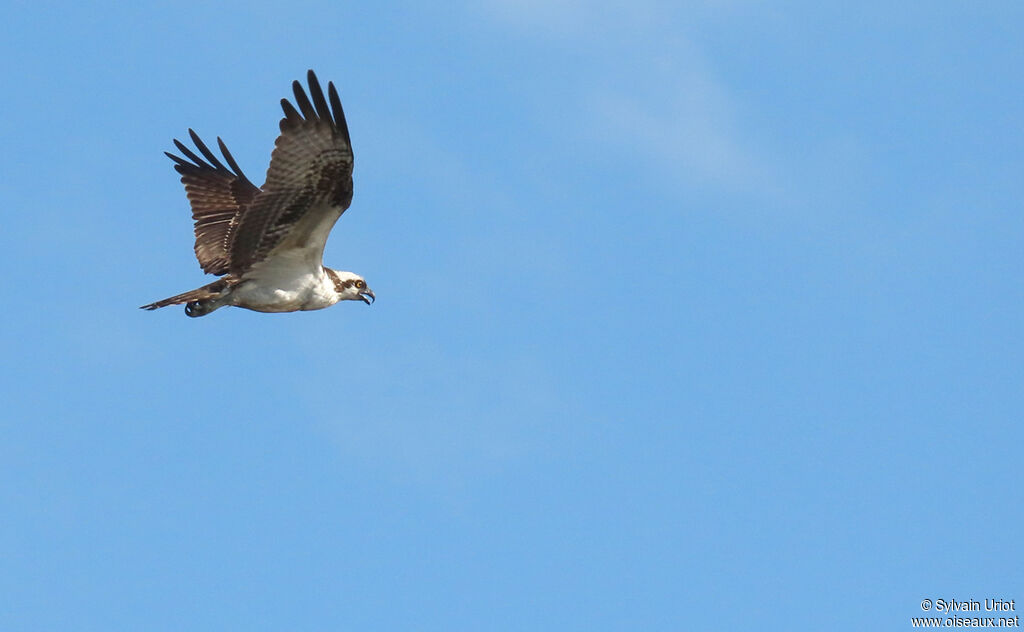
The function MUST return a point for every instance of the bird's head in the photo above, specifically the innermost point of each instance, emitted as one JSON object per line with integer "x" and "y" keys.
{"x": 351, "y": 287}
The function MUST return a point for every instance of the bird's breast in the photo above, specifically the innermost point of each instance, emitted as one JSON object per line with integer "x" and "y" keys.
{"x": 286, "y": 282}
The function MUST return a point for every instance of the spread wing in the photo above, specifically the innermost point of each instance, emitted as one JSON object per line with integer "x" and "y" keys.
{"x": 309, "y": 181}
{"x": 218, "y": 195}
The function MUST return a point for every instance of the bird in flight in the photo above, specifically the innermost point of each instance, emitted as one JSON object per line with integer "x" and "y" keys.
{"x": 266, "y": 244}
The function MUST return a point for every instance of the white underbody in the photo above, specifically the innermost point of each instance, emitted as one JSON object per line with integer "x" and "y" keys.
{"x": 292, "y": 277}
{"x": 284, "y": 283}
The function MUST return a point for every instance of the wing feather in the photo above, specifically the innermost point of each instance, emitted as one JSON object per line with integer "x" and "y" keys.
{"x": 339, "y": 113}
{"x": 228, "y": 156}
{"x": 218, "y": 196}
{"x": 309, "y": 180}
{"x": 291, "y": 115}
{"x": 319, "y": 102}
{"x": 203, "y": 149}
{"x": 309, "y": 183}
{"x": 304, "y": 105}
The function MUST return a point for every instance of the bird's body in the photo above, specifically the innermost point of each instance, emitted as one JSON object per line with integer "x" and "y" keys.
{"x": 285, "y": 284}
{"x": 267, "y": 243}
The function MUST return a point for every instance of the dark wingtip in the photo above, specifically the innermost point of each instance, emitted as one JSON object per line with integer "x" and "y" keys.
{"x": 301, "y": 100}
{"x": 316, "y": 93}
{"x": 191, "y": 155}
{"x": 203, "y": 149}
{"x": 314, "y": 106}
{"x": 338, "y": 111}
{"x": 289, "y": 110}
{"x": 230, "y": 159}
{"x": 181, "y": 165}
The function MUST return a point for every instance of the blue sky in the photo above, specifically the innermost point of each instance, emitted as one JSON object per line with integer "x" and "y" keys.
{"x": 690, "y": 316}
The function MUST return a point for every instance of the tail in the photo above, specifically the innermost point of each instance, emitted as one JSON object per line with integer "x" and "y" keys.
{"x": 198, "y": 302}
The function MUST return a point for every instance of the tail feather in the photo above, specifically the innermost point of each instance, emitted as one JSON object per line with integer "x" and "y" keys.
{"x": 187, "y": 297}
{"x": 194, "y": 299}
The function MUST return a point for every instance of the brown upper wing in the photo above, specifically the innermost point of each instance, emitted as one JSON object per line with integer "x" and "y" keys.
{"x": 310, "y": 172}
{"x": 218, "y": 196}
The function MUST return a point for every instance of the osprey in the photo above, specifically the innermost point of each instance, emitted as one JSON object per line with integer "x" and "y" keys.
{"x": 267, "y": 243}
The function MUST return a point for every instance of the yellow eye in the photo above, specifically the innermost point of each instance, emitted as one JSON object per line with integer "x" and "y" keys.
{"x": 359, "y": 284}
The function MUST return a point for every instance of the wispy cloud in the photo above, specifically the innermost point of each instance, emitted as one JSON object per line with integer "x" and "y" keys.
{"x": 653, "y": 96}
{"x": 683, "y": 119}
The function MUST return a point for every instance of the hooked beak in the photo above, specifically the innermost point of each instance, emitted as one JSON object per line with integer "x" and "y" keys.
{"x": 367, "y": 293}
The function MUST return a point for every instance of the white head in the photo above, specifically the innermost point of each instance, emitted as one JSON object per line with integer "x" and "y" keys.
{"x": 349, "y": 286}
